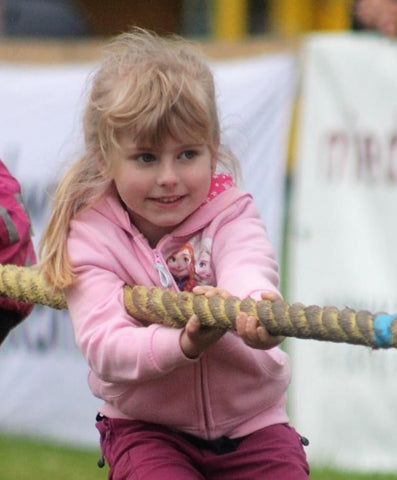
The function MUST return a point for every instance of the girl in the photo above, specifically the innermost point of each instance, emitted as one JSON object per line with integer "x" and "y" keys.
{"x": 191, "y": 403}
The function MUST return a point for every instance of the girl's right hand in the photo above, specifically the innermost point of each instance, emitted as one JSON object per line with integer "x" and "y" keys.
{"x": 196, "y": 338}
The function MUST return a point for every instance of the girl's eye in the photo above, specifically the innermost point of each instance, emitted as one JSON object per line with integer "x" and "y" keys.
{"x": 146, "y": 158}
{"x": 188, "y": 154}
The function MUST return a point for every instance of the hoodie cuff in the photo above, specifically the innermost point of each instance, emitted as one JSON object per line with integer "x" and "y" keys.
{"x": 166, "y": 350}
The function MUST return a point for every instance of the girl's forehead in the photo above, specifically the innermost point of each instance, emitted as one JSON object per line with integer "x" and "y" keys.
{"x": 130, "y": 141}
{"x": 155, "y": 129}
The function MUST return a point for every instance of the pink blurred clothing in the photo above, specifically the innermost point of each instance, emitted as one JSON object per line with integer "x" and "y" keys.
{"x": 15, "y": 245}
{"x": 144, "y": 451}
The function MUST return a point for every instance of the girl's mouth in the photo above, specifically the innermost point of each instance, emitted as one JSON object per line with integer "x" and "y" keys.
{"x": 167, "y": 200}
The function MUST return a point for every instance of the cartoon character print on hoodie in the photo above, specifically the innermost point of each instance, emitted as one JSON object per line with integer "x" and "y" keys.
{"x": 190, "y": 263}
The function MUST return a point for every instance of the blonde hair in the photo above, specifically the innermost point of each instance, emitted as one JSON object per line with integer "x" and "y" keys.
{"x": 151, "y": 86}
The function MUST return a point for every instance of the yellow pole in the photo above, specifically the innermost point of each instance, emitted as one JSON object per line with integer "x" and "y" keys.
{"x": 291, "y": 17}
{"x": 332, "y": 14}
{"x": 230, "y": 19}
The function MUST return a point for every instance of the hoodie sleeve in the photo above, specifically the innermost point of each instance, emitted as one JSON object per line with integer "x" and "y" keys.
{"x": 243, "y": 257}
{"x": 117, "y": 348}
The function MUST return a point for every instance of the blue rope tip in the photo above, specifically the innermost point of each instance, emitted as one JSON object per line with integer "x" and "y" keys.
{"x": 382, "y": 329}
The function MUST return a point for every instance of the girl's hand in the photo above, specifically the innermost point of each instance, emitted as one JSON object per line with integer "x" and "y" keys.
{"x": 196, "y": 338}
{"x": 253, "y": 333}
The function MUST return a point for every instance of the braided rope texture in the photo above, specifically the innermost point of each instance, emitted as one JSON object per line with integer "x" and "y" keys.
{"x": 170, "y": 308}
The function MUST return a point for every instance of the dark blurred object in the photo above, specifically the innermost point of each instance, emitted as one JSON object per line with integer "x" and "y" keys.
{"x": 380, "y": 15}
{"x": 258, "y": 16}
{"x": 111, "y": 17}
{"x": 43, "y": 18}
{"x": 355, "y": 22}
{"x": 195, "y": 17}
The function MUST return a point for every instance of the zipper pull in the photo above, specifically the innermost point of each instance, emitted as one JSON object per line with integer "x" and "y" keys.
{"x": 163, "y": 274}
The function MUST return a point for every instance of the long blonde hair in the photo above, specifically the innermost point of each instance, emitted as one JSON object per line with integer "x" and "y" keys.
{"x": 151, "y": 86}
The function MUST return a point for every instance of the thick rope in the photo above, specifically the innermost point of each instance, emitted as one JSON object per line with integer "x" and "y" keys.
{"x": 175, "y": 308}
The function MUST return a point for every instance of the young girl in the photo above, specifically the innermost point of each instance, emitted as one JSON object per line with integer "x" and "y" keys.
{"x": 179, "y": 404}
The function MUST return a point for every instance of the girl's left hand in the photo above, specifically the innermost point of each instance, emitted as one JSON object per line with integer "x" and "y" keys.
{"x": 253, "y": 333}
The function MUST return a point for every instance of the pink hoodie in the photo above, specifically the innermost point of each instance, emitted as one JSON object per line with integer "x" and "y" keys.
{"x": 140, "y": 371}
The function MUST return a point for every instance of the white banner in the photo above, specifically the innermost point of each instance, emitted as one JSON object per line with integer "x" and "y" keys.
{"x": 343, "y": 245}
{"x": 42, "y": 376}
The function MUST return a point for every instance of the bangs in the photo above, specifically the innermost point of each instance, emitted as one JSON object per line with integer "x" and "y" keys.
{"x": 164, "y": 103}
{"x": 182, "y": 122}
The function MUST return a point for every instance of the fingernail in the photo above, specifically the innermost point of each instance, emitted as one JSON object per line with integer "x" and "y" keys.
{"x": 261, "y": 332}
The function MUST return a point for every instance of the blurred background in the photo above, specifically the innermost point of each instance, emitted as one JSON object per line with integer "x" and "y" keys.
{"x": 223, "y": 19}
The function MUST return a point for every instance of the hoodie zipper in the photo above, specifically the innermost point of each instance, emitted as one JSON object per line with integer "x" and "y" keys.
{"x": 164, "y": 275}
{"x": 166, "y": 280}
{"x": 203, "y": 395}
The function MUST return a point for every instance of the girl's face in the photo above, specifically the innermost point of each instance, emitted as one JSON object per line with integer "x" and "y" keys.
{"x": 162, "y": 186}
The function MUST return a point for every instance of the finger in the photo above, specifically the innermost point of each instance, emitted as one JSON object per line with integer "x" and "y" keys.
{"x": 254, "y": 334}
{"x": 251, "y": 328}
{"x": 213, "y": 291}
{"x": 193, "y": 325}
{"x": 202, "y": 289}
{"x": 270, "y": 295}
{"x": 224, "y": 293}
{"x": 263, "y": 334}
{"x": 241, "y": 320}
{"x": 218, "y": 291}
{"x": 246, "y": 327}
{"x": 210, "y": 291}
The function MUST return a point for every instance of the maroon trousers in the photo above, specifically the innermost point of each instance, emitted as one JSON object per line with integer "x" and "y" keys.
{"x": 143, "y": 451}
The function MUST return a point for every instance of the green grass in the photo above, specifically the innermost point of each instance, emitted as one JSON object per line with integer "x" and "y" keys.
{"x": 329, "y": 474}
{"x": 28, "y": 459}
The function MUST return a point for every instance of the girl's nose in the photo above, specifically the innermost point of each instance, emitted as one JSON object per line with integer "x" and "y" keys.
{"x": 167, "y": 174}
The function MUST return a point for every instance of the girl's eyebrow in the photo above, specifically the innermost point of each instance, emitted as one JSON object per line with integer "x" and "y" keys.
{"x": 134, "y": 148}
{"x": 137, "y": 149}
{"x": 191, "y": 145}
{"x": 143, "y": 149}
